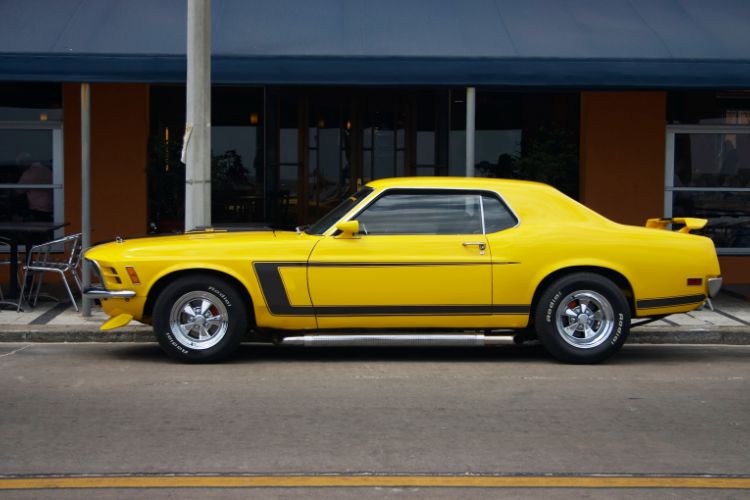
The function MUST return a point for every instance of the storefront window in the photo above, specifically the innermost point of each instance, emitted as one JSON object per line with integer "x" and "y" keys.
{"x": 329, "y": 154}
{"x": 708, "y": 176}
{"x": 31, "y": 176}
{"x": 237, "y": 163}
{"x": 431, "y": 113}
{"x": 237, "y": 157}
{"x": 729, "y": 107}
{"x": 519, "y": 135}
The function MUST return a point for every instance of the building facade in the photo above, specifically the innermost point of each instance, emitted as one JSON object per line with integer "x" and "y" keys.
{"x": 636, "y": 109}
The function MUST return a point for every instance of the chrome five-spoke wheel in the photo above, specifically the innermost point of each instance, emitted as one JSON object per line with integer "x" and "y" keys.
{"x": 198, "y": 320}
{"x": 585, "y": 319}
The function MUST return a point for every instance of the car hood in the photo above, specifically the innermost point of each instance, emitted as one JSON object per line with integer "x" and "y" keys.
{"x": 188, "y": 243}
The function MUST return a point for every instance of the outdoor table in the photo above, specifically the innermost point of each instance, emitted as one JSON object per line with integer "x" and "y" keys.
{"x": 24, "y": 233}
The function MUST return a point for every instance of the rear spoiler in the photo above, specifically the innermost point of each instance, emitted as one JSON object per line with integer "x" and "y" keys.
{"x": 688, "y": 223}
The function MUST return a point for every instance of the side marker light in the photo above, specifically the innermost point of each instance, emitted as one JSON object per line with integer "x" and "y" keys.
{"x": 133, "y": 275}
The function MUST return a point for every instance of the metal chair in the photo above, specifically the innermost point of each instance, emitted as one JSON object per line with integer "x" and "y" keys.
{"x": 62, "y": 256}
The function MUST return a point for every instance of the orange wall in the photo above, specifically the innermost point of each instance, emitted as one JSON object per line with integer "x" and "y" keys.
{"x": 623, "y": 137}
{"x": 735, "y": 269}
{"x": 119, "y": 140}
{"x": 622, "y": 154}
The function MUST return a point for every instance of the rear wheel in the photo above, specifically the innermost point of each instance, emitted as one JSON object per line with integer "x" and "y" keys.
{"x": 199, "y": 318}
{"x": 582, "y": 318}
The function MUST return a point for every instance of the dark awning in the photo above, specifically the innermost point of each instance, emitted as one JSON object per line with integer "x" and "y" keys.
{"x": 574, "y": 43}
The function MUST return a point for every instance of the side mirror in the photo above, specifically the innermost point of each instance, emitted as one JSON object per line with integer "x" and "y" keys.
{"x": 349, "y": 229}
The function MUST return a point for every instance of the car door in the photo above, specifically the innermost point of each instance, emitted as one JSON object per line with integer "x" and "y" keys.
{"x": 421, "y": 260}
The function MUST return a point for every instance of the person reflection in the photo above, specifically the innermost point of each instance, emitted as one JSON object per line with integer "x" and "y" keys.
{"x": 39, "y": 201}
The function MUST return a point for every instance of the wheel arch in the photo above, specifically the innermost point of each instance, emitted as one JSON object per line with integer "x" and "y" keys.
{"x": 165, "y": 280}
{"x": 617, "y": 278}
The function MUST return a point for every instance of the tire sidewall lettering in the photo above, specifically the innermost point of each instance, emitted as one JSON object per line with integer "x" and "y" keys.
{"x": 618, "y": 330}
{"x": 549, "y": 316}
{"x": 221, "y": 295}
{"x": 174, "y": 343}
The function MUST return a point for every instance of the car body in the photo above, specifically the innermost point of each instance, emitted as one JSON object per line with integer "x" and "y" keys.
{"x": 437, "y": 255}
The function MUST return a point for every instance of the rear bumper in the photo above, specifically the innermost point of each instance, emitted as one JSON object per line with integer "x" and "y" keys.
{"x": 101, "y": 293}
{"x": 714, "y": 285}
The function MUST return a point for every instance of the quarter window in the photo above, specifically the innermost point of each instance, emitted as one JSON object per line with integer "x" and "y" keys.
{"x": 496, "y": 215}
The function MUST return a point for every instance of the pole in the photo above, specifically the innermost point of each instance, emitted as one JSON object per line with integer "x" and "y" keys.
{"x": 197, "y": 141}
{"x": 86, "y": 190}
{"x": 471, "y": 103}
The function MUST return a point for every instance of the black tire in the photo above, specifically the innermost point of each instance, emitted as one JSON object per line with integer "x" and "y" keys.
{"x": 582, "y": 318}
{"x": 207, "y": 340}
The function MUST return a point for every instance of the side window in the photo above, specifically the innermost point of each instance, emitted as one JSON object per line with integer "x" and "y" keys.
{"x": 423, "y": 213}
{"x": 496, "y": 215}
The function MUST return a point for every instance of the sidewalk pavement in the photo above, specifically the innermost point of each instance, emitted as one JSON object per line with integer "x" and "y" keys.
{"x": 728, "y": 323}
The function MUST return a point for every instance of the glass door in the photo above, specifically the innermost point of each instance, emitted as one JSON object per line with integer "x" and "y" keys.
{"x": 383, "y": 137}
{"x": 329, "y": 153}
{"x": 708, "y": 176}
{"x": 31, "y": 171}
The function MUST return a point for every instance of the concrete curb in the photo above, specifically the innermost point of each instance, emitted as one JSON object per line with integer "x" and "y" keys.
{"x": 727, "y": 335}
{"x": 75, "y": 333}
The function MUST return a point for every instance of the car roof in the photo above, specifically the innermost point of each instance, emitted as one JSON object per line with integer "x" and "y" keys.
{"x": 452, "y": 182}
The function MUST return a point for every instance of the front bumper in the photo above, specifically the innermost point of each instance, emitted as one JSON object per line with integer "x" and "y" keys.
{"x": 101, "y": 293}
{"x": 714, "y": 285}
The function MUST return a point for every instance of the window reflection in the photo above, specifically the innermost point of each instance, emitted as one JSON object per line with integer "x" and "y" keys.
{"x": 26, "y": 160}
{"x": 237, "y": 173}
{"x": 712, "y": 160}
{"x": 711, "y": 180}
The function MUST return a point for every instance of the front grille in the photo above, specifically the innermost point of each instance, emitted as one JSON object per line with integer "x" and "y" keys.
{"x": 106, "y": 273}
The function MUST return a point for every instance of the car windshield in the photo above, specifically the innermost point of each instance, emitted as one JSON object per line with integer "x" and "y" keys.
{"x": 334, "y": 215}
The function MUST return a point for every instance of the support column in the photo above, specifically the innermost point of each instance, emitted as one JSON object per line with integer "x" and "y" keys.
{"x": 197, "y": 142}
{"x": 471, "y": 104}
{"x": 86, "y": 190}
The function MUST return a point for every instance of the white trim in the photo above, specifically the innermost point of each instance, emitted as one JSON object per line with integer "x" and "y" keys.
{"x": 30, "y": 125}
{"x": 709, "y": 129}
{"x": 668, "y": 174}
{"x": 728, "y": 189}
{"x": 58, "y": 177}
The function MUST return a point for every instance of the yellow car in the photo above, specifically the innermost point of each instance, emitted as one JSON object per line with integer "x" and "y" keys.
{"x": 413, "y": 261}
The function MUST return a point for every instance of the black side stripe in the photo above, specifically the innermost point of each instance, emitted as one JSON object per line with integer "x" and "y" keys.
{"x": 274, "y": 293}
{"x": 670, "y": 301}
{"x": 441, "y": 310}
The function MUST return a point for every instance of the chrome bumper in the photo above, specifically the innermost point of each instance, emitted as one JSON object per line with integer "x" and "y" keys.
{"x": 101, "y": 293}
{"x": 714, "y": 285}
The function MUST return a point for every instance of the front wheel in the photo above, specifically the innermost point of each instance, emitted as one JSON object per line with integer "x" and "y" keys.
{"x": 582, "y": 318}
{"x": 199, "y": 318}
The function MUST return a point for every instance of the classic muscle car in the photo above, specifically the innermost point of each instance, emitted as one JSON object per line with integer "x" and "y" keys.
{"x": 413, "y": 261}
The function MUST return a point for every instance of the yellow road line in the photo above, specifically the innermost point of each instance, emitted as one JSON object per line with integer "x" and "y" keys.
{"x": 323, "y": 481}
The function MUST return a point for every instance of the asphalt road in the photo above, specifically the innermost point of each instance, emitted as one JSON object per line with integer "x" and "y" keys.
{"x": 427, "y": 415}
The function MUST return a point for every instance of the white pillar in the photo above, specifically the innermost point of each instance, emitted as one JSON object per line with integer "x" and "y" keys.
{"x": 470, "y": 126}
{"x": 197, "y": 142}
{"x": 85, "y": 190}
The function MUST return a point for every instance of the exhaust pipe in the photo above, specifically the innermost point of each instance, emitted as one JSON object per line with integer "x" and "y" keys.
{"x": 452, "y": 340}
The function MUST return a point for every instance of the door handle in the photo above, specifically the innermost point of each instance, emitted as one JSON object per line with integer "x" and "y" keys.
{"x": 481, "y": 244}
